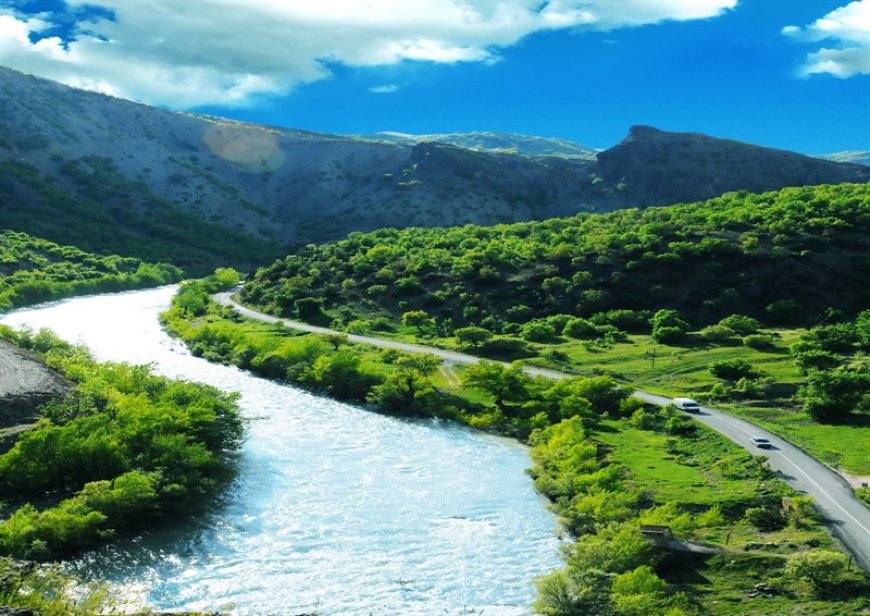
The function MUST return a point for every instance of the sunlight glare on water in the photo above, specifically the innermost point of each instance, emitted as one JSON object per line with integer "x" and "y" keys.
{"x": 335, "y": 509}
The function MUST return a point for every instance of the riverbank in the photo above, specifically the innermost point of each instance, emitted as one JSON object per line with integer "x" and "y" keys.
{"x": 610, "y": 475}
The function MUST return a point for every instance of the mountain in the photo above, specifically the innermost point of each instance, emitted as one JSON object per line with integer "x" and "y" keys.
{"x": 782, "y": 256}
{"x": 857, "y": 157}
{"x": 510, "y": 143}
{"x": 109, "y": 174}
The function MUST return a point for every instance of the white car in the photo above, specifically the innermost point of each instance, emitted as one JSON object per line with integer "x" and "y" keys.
{"x": 687, "y": 404}
{"x": 760, "y": 441}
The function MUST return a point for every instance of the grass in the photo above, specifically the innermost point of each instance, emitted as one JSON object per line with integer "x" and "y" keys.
{"x": 689, "y": 473}
{"x": 683, "y": 370}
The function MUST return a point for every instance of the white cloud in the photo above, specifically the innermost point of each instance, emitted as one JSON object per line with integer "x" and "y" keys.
{"x": 386, "y": 89}
{"x": 849, "y": 29}
{"x": 185, "y": 54}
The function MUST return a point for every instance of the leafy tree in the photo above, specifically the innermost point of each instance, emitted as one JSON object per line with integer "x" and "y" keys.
{"x": 472, "y": 336}
{"x": 668, "y": 327}
{"x": 834, "y": 394}
{"x": 582, "y": 329}
{"x": 741, "y": 324}
{"x": 563, "y": 593}
{"x": 538, "y": 331}
{"x": 638, "y": 592}
{"x": 408, "y": 389}
{"x": 227, "y": 277}
{"x": 420, "y": 319}
{"x": 732, "y": 369}
{"x": 818, "y": 567}
{"x": 504, "y": 383}
{"x": 308, "y": 308}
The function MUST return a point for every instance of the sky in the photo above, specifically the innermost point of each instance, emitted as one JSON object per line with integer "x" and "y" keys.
{"x": 791, "y": 74}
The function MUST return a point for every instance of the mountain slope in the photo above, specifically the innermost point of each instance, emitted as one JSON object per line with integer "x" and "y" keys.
{"x": 137, "y": 167}
{"x": 857, "y": 157}
{"x": 513, "y": 143}
{"x": 782, "y": 256}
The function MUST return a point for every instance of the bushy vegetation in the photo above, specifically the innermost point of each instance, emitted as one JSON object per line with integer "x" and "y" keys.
{"x": 123, "y": 446}
{"x": 35, "y": 270}
{"x": 109, "y": 214}
{"x": 607, "y": 463}
{"x": 834, "y": 360}
{"x": 742, "y": 254}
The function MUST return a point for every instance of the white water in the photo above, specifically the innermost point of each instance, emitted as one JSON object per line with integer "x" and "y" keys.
{"x": 336, "y": 509}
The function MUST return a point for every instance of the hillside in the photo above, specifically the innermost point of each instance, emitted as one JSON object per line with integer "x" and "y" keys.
{"x": 857, "y": 157}
{"x": 782, "y": 256}
{"x": 109, "y": 174}
{"x": 35, "y": 270}
{"x": 525, "y": 145}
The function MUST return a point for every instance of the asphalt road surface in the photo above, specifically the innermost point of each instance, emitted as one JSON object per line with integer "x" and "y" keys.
{"x": 848, "y": 518}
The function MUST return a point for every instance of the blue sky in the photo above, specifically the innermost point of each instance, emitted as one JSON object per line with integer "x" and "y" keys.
{"x": 790, "y": 74}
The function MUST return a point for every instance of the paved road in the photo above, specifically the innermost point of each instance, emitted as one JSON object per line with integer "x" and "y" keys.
{"x": 849, "y": 520}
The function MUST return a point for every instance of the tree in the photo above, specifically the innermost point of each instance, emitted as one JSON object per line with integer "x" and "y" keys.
{"x": 818, "y": 567}
{"x": 732, "y": 369}
{"x": 407, "y": 389}
{"x": 741, "y": 324}
{"x": 308, "y": 308}
{"x": 227, "y": 277}
{"x": 834, "y": 394}
{"x": 538, "y": 331}
{"x": 472, "y": 336}
{"x": 638, "y": 592}
{"x": 668, "y": 326}
{"x": 336, "y": 340}
{"x": 579, "y": 328}
{"x": 503, "y": 383}
{"x": 575, "y": 593}
{"x": 419, "y": 319}
{"x": 341, "y": 375}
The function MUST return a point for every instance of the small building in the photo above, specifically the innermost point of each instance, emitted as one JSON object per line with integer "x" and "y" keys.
{"x": 656, "y": 532}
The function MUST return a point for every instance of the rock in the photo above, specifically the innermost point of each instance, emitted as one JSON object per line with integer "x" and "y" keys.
{"x": 5, "y": 610}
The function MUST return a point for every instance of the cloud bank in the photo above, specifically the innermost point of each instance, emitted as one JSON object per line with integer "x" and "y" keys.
{"x": 186, "y": 54}
{"x": 848, "y": 28}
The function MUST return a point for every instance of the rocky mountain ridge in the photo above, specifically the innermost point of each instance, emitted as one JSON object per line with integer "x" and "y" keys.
{"x": 300, "y": 186}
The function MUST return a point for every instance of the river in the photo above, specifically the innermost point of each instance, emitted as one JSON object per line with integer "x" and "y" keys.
{"x": 336, "y": 510}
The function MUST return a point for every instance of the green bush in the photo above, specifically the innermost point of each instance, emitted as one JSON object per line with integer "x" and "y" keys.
{"x": 733, "y": 369}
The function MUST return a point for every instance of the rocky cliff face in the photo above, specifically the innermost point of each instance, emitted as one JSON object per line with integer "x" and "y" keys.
{"x": 25, "y": 384}
{"x": 680, "y": 167}
{"x": 300, "y": 186}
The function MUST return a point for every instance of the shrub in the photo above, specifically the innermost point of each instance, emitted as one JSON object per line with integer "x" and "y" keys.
{"x": 581, "y": 329}
{"x": 732, "y": 369}
{"x": 741, "y": 324}
{"x": 716, "y": 333}
{"x": 818, "y": 567}
{"x": 668, "y": 335}
{"x": 538, "y": 331}
{"x": 765, "y": 519}
{"x": 759, "y": 341}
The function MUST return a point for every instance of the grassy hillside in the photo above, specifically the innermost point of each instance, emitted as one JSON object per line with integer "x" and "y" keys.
{"x": 35, "y": 270}
{"x": 699, "y": 299}
{"x": 138, "y": 223}
{"x": 782, "y": 256}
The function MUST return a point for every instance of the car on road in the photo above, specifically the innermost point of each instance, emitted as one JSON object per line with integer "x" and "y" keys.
{"x": 687, "y": 404}
{"x": 760, "y": 441}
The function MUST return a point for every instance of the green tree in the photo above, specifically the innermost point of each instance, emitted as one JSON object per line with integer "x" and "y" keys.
{"x": 818, "y": 567}
{"x": 504, "y": 383}
{"x": 733, "y": 369}
{"x": 420, "y": 319}
{"x": 472, "y": 336}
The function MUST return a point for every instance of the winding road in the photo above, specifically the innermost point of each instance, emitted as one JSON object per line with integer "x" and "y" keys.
{"x": 847, "y": 517}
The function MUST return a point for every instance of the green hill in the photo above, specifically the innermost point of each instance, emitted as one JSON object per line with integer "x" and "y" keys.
{"x": 135, "y": 222}
{"x": 34, "y": 270}
{"x": 783, "y": 256}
